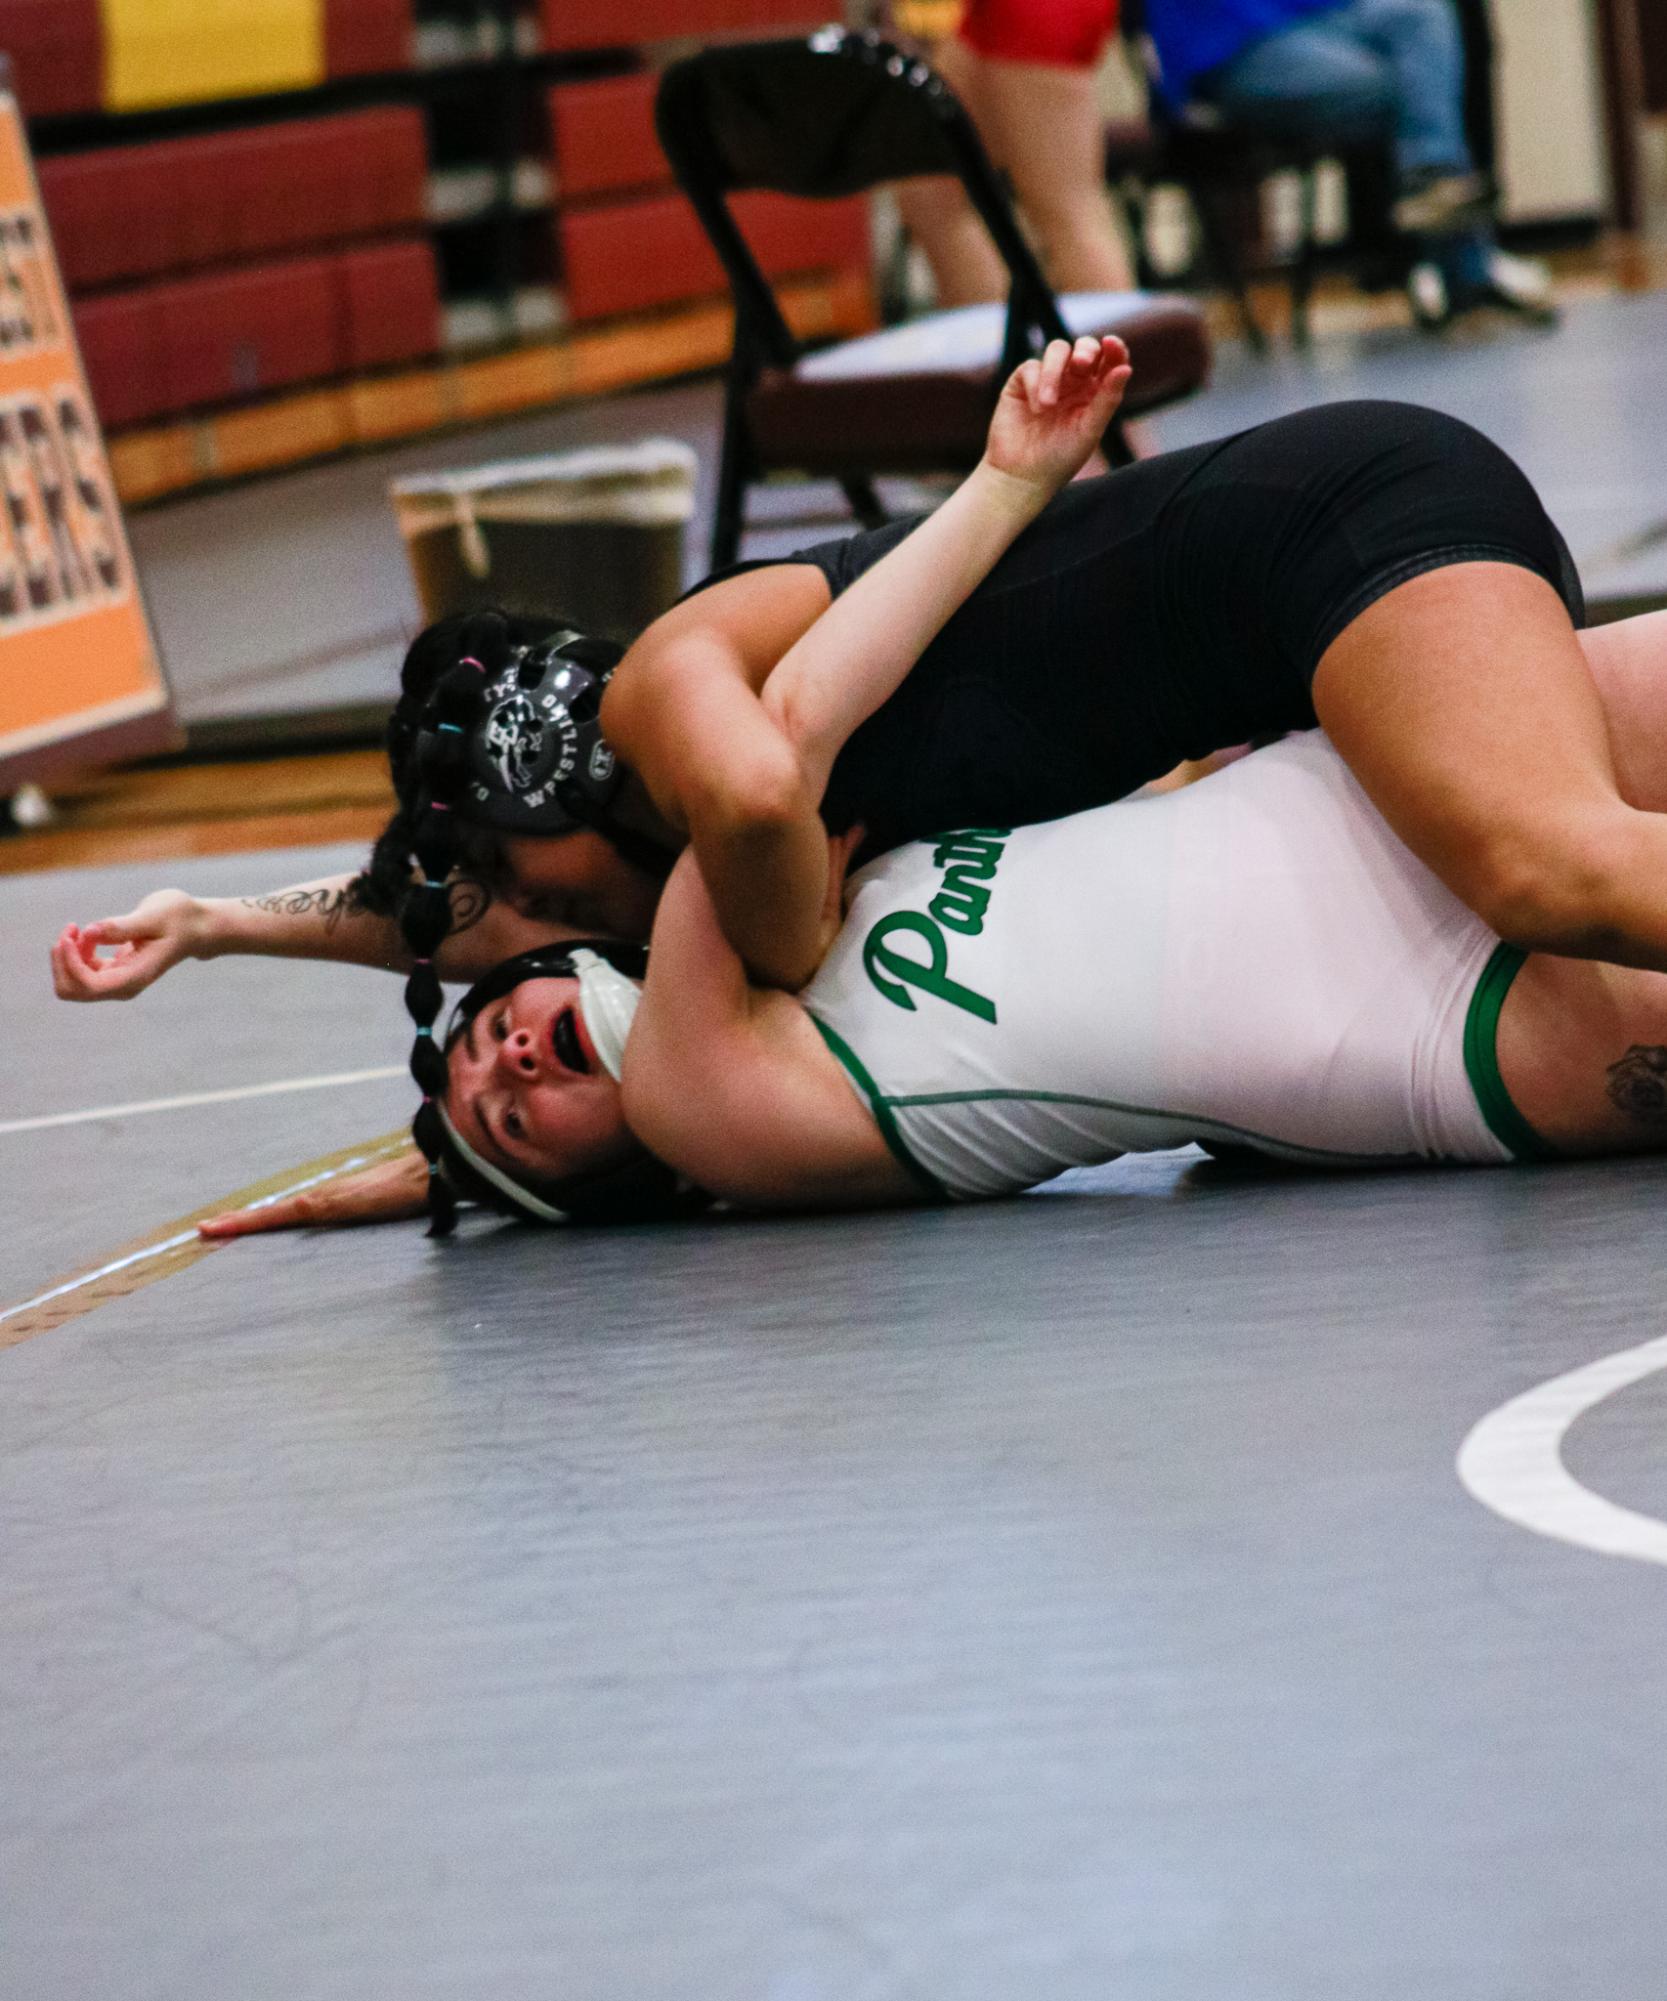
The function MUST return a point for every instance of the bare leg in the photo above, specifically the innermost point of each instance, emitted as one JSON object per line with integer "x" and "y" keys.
{"x": 966, "y": 266}
{"x": 1463, "y": 703}
{"x": 1043, "y": 123}
{"x": 1582, "y": 1050}
{"x": 1628, "y": 661}
{"x": 1582, "y": 1047}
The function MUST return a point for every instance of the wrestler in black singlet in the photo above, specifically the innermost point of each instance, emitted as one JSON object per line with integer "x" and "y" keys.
{"x": 1174, "y": 607}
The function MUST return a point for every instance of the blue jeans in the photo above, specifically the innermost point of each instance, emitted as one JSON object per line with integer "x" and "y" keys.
{"x": 1366, "y": 70}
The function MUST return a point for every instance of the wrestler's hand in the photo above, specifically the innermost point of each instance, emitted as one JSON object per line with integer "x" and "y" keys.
{"x": 386, "y": 1193}
{"x": 1054, "y": 410}
{"x": 136, "y": 949}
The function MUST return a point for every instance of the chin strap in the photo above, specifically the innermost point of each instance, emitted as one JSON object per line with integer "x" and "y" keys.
{"x": 523, "y": 1198}
{"x": 608, "y": 1001}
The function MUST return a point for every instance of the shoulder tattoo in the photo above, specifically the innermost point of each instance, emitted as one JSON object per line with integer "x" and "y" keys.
{"x": 470, "y": 901}
{"x": 1638, "y": 1084}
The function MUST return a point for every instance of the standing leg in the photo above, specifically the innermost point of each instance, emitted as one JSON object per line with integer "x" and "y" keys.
{"x": 1043, "y": 123}
{"x": 1463, "y": 703}
{"x": 1314, "y": 82}
{"x": 1628, "y": 661}
{"x": 1443, "y": 200}
{"x": 966, "y": 266}
{"x": 1419, "y": 41}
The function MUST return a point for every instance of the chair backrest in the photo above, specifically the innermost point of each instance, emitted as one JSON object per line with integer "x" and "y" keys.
{"x": 830, "y": 115}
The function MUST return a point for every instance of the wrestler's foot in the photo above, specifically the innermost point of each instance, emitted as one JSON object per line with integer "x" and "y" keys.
{"x": 1517, "y": 285}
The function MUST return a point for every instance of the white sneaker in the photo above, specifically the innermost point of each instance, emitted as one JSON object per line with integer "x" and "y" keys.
{"x": 1520, "y": 285}
{"x": 1427, "y": 295}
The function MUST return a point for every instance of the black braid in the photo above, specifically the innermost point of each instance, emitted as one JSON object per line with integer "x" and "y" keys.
{"x": 429, "y": 774}
{"x": 432, "y": 655}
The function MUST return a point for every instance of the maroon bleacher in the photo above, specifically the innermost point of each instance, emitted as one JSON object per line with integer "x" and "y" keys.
{"x": 57, "y": 54}
{"x": 604, "y": 135}
{"x": 622, "y": 256}
{"x": 367, "y": 37}
{"x": 126, "y": 212}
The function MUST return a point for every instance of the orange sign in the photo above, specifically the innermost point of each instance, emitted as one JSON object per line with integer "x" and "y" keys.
{"x": 80, "y": 680}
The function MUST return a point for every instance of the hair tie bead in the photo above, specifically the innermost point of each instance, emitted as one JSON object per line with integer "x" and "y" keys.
{"x": 438, "y": 806}
{"x": 430, "y": 883}
{"x": 425, "y": 1029}
{"x": 455, "y": 728}
{"x": 469, "y": 660}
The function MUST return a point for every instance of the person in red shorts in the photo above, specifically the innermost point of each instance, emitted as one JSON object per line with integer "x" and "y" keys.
{"x": 1026, "y": 70}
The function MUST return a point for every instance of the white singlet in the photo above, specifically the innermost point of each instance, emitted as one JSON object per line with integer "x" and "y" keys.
{"x": 1254, "y": 960}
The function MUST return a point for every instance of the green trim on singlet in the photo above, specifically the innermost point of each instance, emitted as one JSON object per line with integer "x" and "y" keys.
{"x": 1287, "y": 1149}
{"x": 885, "y": 1109}
{"x": 880, "y": 1106}
{"x": 1481, "y": 1058}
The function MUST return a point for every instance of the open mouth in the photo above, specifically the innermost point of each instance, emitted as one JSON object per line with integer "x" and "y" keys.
{"x": 569, "y": 1047}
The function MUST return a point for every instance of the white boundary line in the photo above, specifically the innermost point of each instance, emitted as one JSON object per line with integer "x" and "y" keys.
{"x": 201, "y": 1098}
{"x": 1512, "y": 1461}
{"x": 173, "y": 1243}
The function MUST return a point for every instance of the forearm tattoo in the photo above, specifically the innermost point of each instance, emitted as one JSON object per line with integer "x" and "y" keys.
{"x": 469, "y": 903}
{"x": 1638, "y": 1085}
{"x": 330, "y": 904}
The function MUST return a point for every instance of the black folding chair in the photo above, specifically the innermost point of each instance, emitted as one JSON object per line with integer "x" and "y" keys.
{"x": 832, "y": 116}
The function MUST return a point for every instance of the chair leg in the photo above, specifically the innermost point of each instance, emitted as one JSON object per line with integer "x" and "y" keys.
{"x": 1228, "y": 265}
{"x": 1302, "y": 272}
{"x": 865, "y": 502}
{"x": 729, "y": 515}
{"x": 1116, "y": 446}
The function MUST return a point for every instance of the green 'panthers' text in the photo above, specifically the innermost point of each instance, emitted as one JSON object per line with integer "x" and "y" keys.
{"x": 969, "y": 862}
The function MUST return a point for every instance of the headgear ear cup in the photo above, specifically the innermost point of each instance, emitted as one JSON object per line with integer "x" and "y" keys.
{"x": 537, "y": 760}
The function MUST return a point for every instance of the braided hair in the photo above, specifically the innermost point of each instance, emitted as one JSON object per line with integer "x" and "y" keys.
{"x": 434, "y": 661}
{"x": 427, "y": 740}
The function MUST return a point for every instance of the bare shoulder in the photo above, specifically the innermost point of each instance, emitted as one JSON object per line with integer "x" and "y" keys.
{"x": 768, "y": 1120}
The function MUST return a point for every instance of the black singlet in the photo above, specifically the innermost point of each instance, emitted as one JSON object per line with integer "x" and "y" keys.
{"x": 1174, "y": 607}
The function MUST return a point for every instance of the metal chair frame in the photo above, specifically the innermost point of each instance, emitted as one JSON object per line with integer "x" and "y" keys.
{"x": 928, "y": 132}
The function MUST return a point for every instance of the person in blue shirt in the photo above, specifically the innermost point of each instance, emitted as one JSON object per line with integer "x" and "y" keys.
{"x": 1351, "y": 73}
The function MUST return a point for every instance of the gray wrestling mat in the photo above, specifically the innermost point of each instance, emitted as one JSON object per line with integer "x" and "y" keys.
{"x": 1580, "y": 408}
{"x": 1070, "y": 1598}
{"x": 291, "y": 598}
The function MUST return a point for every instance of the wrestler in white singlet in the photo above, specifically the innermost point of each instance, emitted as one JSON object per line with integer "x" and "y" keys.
{"x": 1255, "y": 959}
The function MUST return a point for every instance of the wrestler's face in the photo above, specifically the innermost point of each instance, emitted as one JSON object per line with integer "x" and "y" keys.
{"x": 581, "y": 880}
{"x": 528, "y": 1091}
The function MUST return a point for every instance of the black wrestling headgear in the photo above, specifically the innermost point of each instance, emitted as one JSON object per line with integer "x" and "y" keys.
{"x": 641, "y": 1190}
{"x": 536, "y": 762}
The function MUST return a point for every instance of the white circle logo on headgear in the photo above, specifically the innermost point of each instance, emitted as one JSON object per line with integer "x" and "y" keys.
{"x": 514, "y": 741}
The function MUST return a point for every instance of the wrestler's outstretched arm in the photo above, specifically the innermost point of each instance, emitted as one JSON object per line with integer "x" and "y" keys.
{"x": 392, "y": 1191}
{"x": 738, "y": 757}
{"x": 116, "y": 958}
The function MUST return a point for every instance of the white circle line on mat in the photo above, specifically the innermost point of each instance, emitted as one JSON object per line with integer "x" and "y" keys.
{"x": 226, "y": 1097}
{"x": 1512, "y": 1461}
